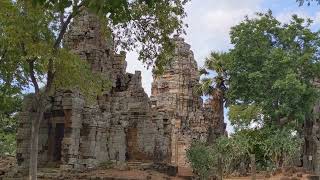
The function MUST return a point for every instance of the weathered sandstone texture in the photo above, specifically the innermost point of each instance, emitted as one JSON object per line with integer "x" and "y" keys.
{"x": 173, "y": 93}
{"x": 124, "y": 124}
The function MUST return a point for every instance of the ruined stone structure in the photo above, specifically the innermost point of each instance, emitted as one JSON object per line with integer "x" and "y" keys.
{"x": 124, "y": 124}
{"x": 173, "y": 93}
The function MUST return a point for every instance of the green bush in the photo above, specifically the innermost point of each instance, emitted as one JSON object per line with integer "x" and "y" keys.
{"x": 7, "y": 135}
{"x": 272, "y": 148}
{"x": 202, "y": 159}
{"x": 7, "y": 144}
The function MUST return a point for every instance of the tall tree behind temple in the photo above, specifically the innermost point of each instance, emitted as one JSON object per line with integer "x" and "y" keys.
{"x": 32, "y": 32}
{"x": 272, "y": 73}
{"x": 274, "y": 68}
{"x": 215, "y": 88}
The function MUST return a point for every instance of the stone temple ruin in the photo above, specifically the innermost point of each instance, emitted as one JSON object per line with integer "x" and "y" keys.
{"x": 125, "y": 124}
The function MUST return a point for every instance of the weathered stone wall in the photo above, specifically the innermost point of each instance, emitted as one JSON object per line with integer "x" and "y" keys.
{"x": 120, "y": 125}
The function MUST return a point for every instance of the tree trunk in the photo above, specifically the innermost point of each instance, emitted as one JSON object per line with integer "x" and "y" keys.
{"x": 220, "y": 168}
{"x": 217, "y": 117}
{"x": 41, "y": 100}
{"x": 253, "y": 166}
{"x": 40, "y": 107}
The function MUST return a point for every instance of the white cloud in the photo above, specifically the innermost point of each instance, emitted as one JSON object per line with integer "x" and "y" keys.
{"x": 134, "y": 65}
{"x": 210, "y": 22}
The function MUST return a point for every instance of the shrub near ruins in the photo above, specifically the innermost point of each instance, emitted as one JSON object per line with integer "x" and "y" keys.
{"x": 272, "y": 148}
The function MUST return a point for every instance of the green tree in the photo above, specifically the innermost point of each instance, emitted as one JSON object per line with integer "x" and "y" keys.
{"x": 10, "y": 104}
{"x": 213, "y": 84}
{"x": 308, "y": 2}
{"x": 7, "y": 135}
{"x": 31, "y": 53}
{"x": 243, "y": 116}
{"x": 202, "y": 159}
{"x": 273, "y": 71}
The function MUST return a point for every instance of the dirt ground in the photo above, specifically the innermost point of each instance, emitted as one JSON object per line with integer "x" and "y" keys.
{"x": 6, "y": 163}
{"x": 130, "y": 174}
{"x": 289, "y": 173}
{"x": 261, "y": 177}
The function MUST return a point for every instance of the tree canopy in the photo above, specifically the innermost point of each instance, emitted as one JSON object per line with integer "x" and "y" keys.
{"x": 275, "y": 69}
{"x": 214, "y": 66}
{"x": 10, "y": 104}
{"x": 308, "y": 2}
{"x": 146, "y": 24}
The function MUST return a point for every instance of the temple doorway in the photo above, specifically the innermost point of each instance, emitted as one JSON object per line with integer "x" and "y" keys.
{"x": 56, "y": 134}
{"x": 59, "y": 134}
{"x": 132, "y": 144}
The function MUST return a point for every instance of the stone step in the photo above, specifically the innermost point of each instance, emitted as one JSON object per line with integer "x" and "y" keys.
{"x": 134, "y": 162}
{"x": 49, "y": 170}
{"x": 48, "y": 173}
{"x": 134, "y": 165}
{"x": 138, "y": 165}
{"x": 185, "y": 172}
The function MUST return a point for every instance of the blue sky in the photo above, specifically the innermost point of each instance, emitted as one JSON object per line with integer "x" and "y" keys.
{"x": 210, "y": 21}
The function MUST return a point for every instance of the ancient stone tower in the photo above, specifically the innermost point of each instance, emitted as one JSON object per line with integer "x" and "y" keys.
{"x": 173, "y": 92}
{"x": 124, "y": 124}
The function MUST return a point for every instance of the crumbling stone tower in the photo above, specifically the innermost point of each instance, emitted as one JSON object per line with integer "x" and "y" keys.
{"x": 173, "y": 92}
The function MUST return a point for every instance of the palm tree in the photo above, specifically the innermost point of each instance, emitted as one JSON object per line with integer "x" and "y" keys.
{"x": 213, "y": 85}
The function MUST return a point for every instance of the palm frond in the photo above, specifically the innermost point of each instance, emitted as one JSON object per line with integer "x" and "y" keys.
{"x": 216, "y": 62}
{"x": 203, "y": 71}
{"x": 205, "y": 87}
